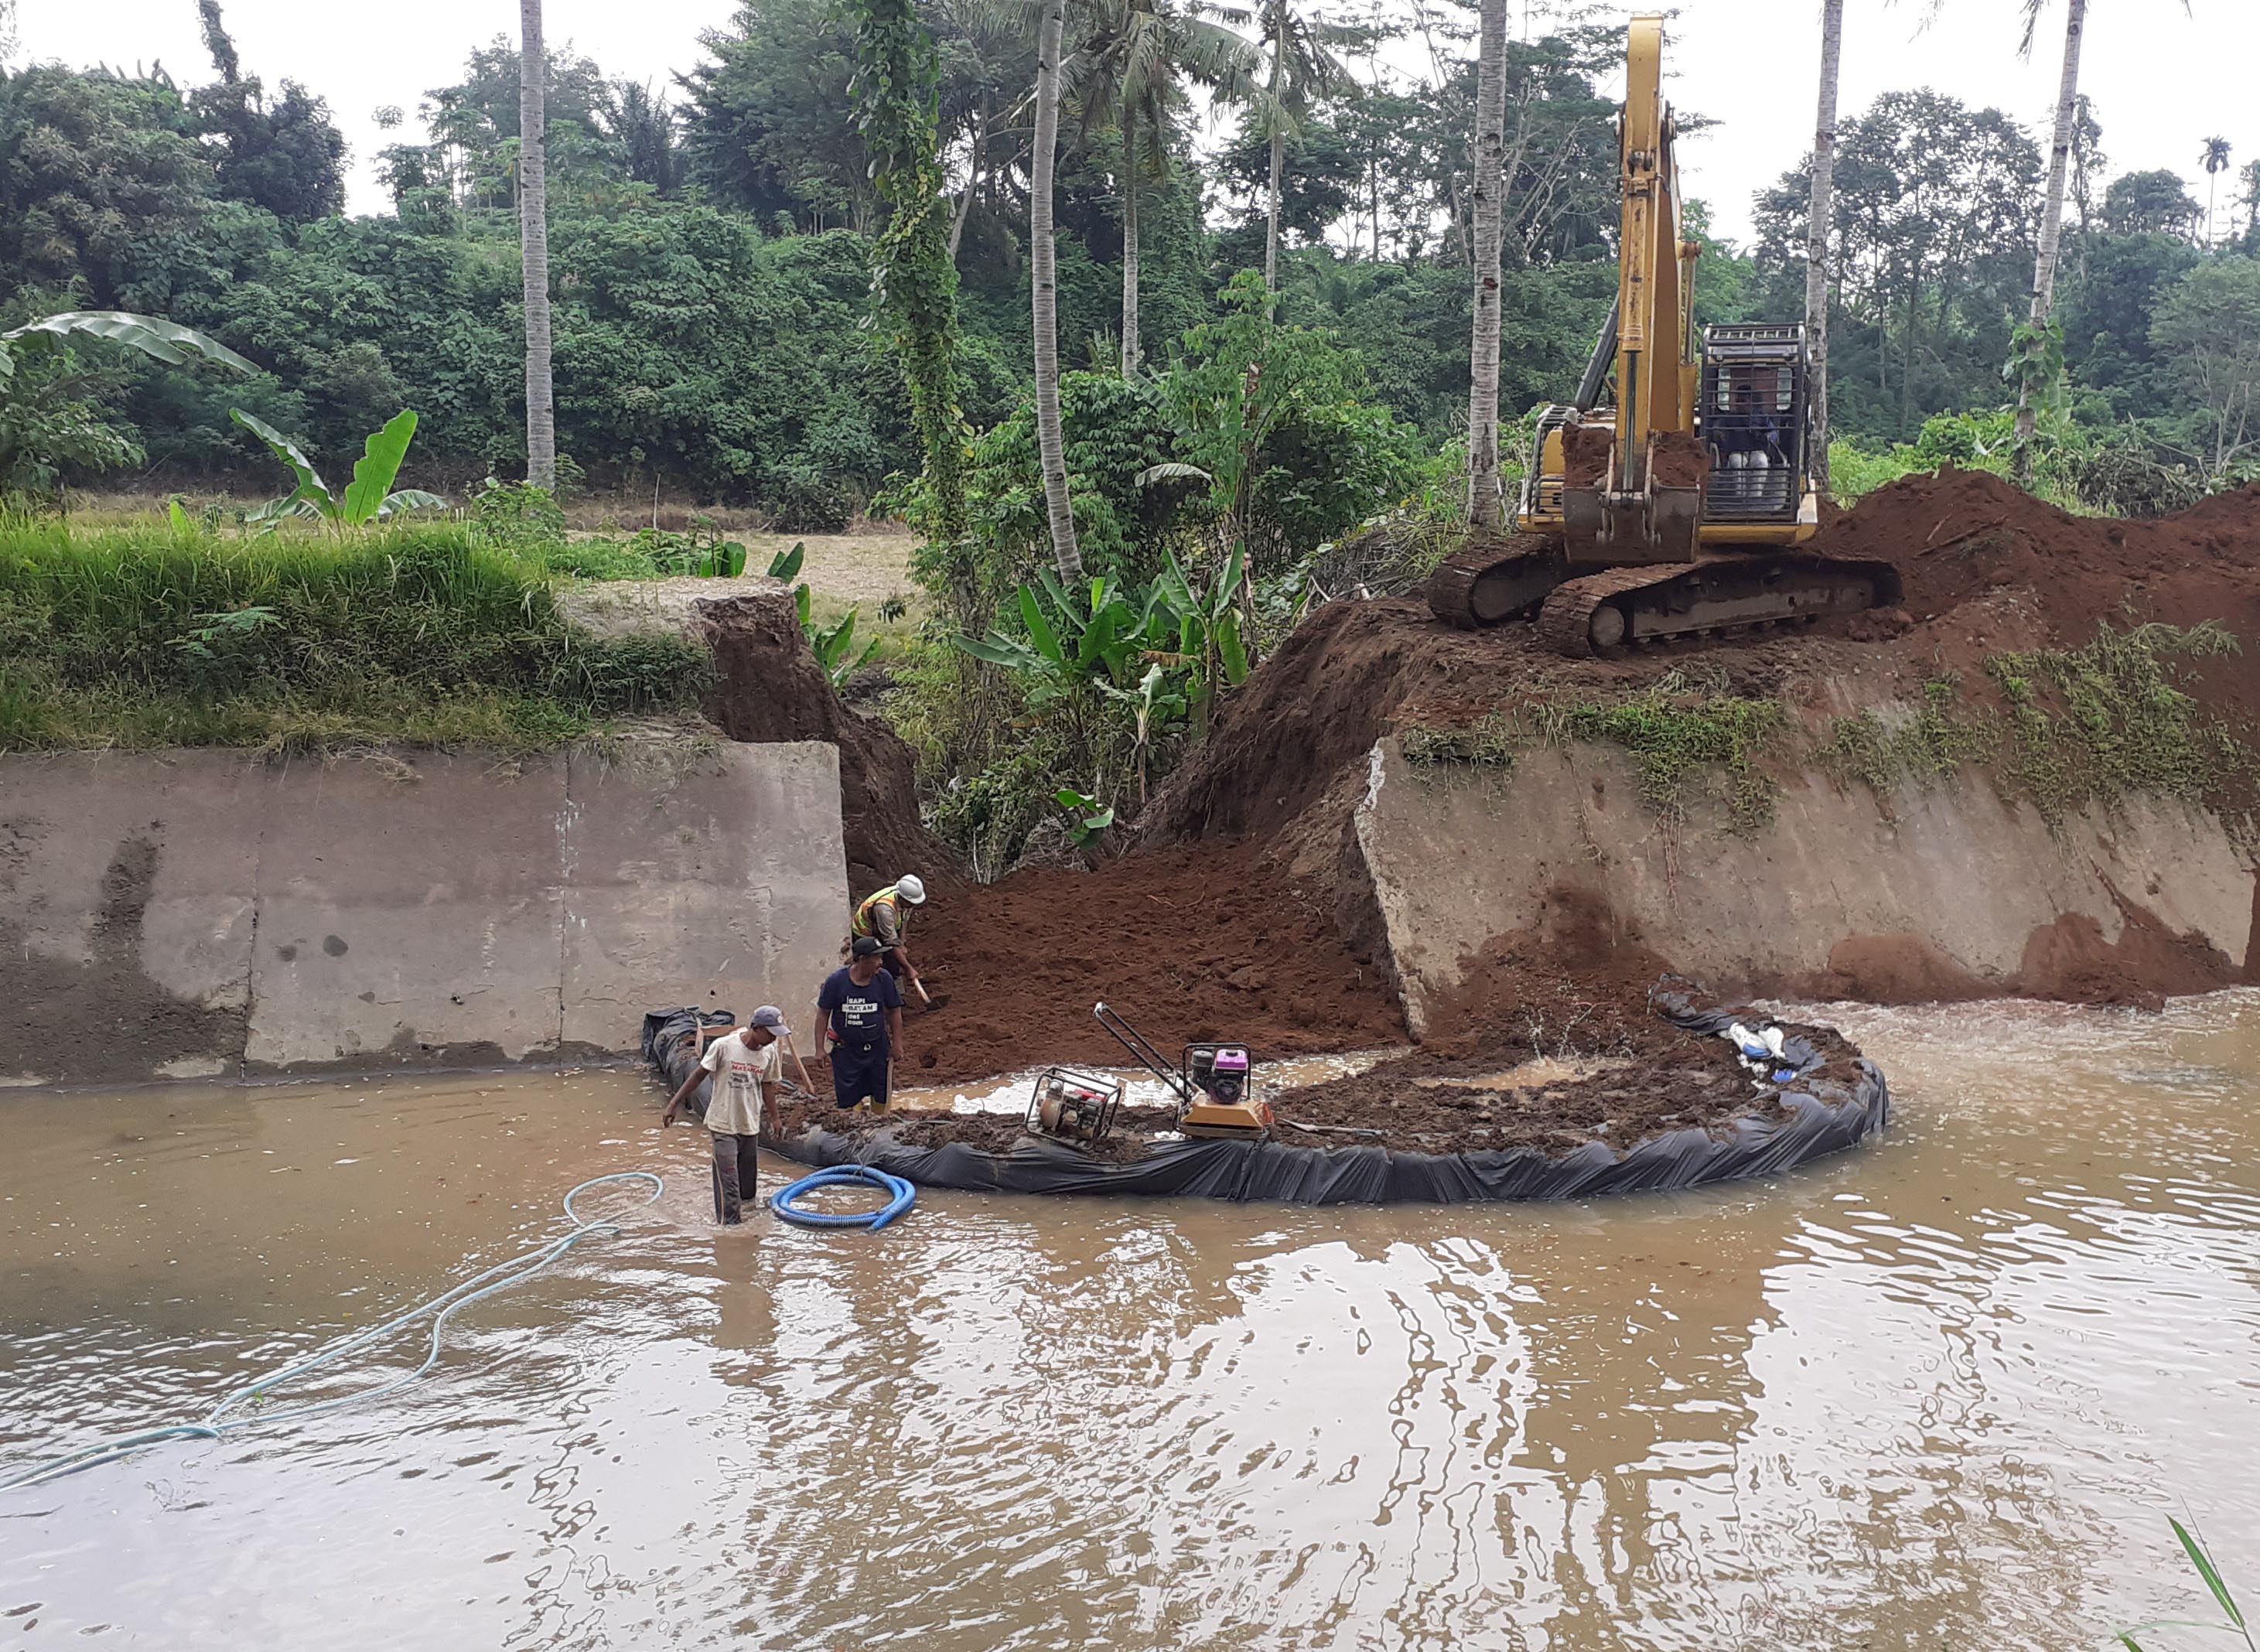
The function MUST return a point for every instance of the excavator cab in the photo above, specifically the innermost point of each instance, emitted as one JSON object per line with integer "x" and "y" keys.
{"x": 1753, "y": 419}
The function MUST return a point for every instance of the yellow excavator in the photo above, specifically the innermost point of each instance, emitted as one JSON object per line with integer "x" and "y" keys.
{"x": 1666, "y": 501}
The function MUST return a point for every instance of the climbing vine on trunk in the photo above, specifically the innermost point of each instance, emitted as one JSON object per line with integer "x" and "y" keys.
{"x": 914, "y": 277}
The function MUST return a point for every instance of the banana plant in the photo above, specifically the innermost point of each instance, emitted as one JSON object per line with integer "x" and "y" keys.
{"x": 369, "y": 498}
{"x": 48, "y": 422}
{"x": 1158, "y": 701}
{"x": 835, "y": 646}
{"x": 1085, "y": 818}
{"x": 1208, "y": 628}
{"x": 154, "y": 336}
{"x": 1098, "y": 640}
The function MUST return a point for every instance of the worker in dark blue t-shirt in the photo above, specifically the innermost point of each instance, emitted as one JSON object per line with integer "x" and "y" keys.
{"x": 860, "y": 1008}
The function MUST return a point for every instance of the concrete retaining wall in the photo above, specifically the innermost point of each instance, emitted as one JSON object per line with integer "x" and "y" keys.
{"x": 195, "y": 913}
{"x": 1943, "y": 893}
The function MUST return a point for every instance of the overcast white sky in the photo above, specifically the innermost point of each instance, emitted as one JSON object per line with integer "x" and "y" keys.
{"x": 2162, "y": 81}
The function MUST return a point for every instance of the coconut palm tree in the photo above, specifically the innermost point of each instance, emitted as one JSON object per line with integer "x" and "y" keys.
{"x": 1131, "y": 74}
{"x": 1044, "y": 285}
{"x": 1817, "y": 225}
{"x": 2215, "y": 162}
{"x": 1302, "y": 70}
{"x": 533, "y": 249}
{"x": 1484, "y": 503}
{"x": 2067, "y": 109}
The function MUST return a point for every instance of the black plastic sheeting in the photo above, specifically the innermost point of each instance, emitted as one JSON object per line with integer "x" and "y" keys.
{"x": 1826, "y": 1117}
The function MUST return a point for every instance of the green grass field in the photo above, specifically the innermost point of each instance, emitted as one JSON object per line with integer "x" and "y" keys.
{"x": 136, "y": 633}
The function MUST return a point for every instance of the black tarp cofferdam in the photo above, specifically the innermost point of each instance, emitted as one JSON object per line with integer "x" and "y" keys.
{"x": 1826, "y": 1117}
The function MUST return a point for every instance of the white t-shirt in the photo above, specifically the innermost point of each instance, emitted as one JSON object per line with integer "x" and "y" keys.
{"x": 739, "y": 1071}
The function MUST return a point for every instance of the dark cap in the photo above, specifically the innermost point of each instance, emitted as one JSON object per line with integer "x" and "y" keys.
{"x": 866, "y": 947}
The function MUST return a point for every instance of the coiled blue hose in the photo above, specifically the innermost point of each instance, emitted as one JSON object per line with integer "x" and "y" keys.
{"x": 217, "y": 1422}
{"x": 901, "y": 1197}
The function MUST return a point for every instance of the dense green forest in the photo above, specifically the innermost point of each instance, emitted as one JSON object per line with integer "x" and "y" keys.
{"x": 710, "y": 248}
{"x": 749, "y": 267}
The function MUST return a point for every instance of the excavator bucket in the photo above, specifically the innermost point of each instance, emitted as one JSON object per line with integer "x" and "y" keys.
{"x": 1658, "y": 522}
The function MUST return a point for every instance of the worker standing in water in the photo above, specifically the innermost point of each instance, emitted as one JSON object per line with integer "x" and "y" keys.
{"x": 860, "y": 1008}
{"x": 742, "y": 1063}
{"x": 885, "y": 917}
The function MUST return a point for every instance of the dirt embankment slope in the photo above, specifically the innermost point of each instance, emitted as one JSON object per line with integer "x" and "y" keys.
{"x": 1228, "y": 918}
{"x": 1986, "y": 568}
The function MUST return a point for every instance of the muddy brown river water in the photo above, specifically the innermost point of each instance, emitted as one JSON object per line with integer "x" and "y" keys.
{"x": 1942, "y": 1392}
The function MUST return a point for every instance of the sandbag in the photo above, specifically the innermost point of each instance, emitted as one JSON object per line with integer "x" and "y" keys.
{"x": 669, "y": 1042}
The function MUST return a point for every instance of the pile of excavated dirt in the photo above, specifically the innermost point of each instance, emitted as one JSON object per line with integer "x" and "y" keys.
{"x": 1189, "y": 944}
{"x": 1964, "y": 539}
{"x": 1987, "y": 567}
{"x": 767, "y": 686}
{"x": 1552, "y": 1044}
{"x": 1212, "y": 943}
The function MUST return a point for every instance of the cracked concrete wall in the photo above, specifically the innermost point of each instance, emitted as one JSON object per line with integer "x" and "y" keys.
{"x": 200, "y": 913}
{"x": 1945, "y": 893}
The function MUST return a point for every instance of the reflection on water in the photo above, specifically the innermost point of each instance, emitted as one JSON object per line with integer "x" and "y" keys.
{"x": 1940, "y": 1392}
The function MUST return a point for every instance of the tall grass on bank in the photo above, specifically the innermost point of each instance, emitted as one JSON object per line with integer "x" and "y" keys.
{"x": 151, "y": 635}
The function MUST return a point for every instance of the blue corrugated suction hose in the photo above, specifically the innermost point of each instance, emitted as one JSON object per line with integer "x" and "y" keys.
{"x": 901, "y": 1197}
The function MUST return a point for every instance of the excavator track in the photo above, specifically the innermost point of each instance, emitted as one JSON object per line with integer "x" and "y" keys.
{"x": 1494, "y": 580}
{"x": 1710, "y": 597}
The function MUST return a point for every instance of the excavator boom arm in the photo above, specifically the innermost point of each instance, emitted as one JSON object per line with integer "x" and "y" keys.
{"x": 1655, "y": 269}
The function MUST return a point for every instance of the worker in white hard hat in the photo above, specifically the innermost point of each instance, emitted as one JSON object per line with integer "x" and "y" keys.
{"x": 885, "y": 916}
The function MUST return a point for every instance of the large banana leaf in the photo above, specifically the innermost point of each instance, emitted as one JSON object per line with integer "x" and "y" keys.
{"x": 1069, "y": 616}
{"x": 1175, "y": 589}
{"x": 1227, "y": 591}
{"x": 1095, "y": 648}
{"x": 312, "y": 489}
{"x": 1040, "y": 629}
{"x": 1004, "y": 651}
{"x": 376, "y": 468}
{"x": 152, "y": 335}
{"x": 411, "y": 499}
{"x": 1229, "y": 649}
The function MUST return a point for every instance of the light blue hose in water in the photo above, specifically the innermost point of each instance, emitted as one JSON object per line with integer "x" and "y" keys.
{"x": 901, "y": 1196}
{"x": 217, "y": 1422}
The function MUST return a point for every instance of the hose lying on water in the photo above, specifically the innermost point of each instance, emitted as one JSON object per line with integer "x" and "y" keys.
{"x": 901, "y": 1197}
{"x": 217, "y": 1422}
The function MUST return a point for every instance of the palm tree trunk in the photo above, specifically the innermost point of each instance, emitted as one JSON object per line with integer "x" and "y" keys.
{"x": 2067, "y": 99}
{"x": 1818, "y": 214}
{"x": 972, "y": 180}
{"x": 1373, "y": 195}
{"x": 1050, "y": 448}
{"x": 534, "y": 250}
{"x": 1129, "y": 244}
{"x": 1278, "y": 152}
{"x": 1490, "y": 153}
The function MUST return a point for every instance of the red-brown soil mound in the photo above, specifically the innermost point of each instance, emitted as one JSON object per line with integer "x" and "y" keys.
{"x": 1962, "y": 536}
{"x": 1985, "y": 567}
{"x": 768, "y": 687}
{"x": 1193, "y": 945}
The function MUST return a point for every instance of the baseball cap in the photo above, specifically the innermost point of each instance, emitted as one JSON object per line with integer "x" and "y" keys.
{"x": 772, "y": 1018}
{"x": 866, "y": 947}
